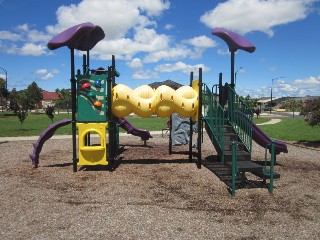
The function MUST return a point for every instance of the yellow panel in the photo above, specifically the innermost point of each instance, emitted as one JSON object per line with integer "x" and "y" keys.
{"x": 92, "y": 155}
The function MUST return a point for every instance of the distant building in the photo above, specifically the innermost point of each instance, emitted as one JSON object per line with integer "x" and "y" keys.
{"x": 48, "y": 99}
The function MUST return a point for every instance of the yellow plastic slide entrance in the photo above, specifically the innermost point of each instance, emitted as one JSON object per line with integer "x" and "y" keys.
{"x": 95, "y": 154}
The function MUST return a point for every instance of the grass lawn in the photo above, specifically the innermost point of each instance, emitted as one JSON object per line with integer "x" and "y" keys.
{"x": 34, "y": 124}
{"x": 287, "y": 130}
{"x": 292, "y": 130}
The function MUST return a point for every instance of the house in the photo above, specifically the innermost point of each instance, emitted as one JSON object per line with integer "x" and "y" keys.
{"x": 48, "y": 99}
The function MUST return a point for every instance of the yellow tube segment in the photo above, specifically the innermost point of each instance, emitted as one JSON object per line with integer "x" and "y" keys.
{"x": 145, "y": 101}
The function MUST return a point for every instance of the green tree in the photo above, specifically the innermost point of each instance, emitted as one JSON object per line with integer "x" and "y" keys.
{"x": 311, "y": 111}
{"x": 293, "y": 105}
{"x": 3, "y": 92}
{"x": 19, "y": 104}
{"x": 65, "y": 99}
{"x": 50, "y": 112}
{"x": 34, "y": 95}
{"x": 22, "y": 115}
{"x": 251, "y": 102}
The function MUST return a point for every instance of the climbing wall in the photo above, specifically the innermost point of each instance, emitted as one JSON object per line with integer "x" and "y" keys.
{"x": 91, "y": 98}
{"x": 180, "y": 132}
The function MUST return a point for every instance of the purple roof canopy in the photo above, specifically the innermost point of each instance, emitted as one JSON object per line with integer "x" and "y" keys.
{"x": 234, "y": 40}
{"x": 82, "y": 37}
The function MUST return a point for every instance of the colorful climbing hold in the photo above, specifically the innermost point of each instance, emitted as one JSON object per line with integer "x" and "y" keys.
{"x": 97, "y": 103}
{"x": 85, "y": 85}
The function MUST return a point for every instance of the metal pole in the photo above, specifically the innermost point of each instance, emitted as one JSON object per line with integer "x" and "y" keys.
{"x": 271, "y": 90}
{"x": 74, "y": 109}
{"x": 84, "y": 64}
{"x": 199, "y": 120}
{"x": 232, "y": 69}
{"x": 271, "y": 96}
{"x": 191, "y": 128}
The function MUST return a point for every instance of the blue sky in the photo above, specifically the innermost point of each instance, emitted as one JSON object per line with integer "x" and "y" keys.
{"x": 156, "y": 40}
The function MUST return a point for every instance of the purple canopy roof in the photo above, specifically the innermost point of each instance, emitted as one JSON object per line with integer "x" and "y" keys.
{"x": 82, "y": 37}
{"x": 234, "y": 40}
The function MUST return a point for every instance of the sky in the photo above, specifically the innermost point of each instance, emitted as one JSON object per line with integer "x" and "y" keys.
{"x": 156, "y": 40}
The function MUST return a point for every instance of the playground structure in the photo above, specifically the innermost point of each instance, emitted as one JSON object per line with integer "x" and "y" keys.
{"x": 99, "y": 106}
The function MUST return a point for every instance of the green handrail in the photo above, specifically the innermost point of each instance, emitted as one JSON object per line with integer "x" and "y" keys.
{"x": 214, "y": 118}
{"x": 240, "y": 118}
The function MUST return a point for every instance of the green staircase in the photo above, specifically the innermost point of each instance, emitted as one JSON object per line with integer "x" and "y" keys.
{"x": 230, "y": 130}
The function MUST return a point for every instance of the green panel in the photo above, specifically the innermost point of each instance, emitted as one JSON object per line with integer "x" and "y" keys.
{"x": 90, "y": 92}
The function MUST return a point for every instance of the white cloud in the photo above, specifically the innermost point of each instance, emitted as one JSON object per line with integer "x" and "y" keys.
{"x": 145, "y": 75}
{"x": 47, "y": 76}
{"x": 41, "y": 71}
{"x": 168, "y": 26}
{"x": 116, "y": 17}
{"x": 244, "y": 16}
{"x": 201, "y": 42}
{"x": 175, "y": 53}
{"x": 55, "y": 70}
{"x": 135, "y": 63}
{"x": 6, "y": 35}
{"x": 298, "y": 87}
{"x": 32, "y": 49}
{"x": 308, "y": 82}
{"x": 181, "y": 66}
{"x": 225, "y": 51}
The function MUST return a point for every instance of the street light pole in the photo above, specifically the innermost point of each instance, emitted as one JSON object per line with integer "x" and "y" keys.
{"x": 271, "y": 91}
{"x": 235, "y": 75}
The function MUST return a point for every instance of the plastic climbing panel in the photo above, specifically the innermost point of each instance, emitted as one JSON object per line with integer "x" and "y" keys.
{"x": 91, "y": 98}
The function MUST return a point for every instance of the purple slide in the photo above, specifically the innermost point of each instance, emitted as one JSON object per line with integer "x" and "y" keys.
{"x": 126, "y": 125}
{"x": 48, "y": 133}
{"x": 263, "y": 139}
{"x": 44, "y": 136}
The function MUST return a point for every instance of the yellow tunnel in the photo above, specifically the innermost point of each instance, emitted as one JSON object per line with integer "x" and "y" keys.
{"x": 163, "y": 101}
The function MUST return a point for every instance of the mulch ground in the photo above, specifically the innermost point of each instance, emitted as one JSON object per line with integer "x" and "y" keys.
{"x": 154, "y": 195}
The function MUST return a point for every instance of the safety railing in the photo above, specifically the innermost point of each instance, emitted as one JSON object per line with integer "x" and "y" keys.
{"x": 214, "y": 118}
{"x": 240, "y": 118}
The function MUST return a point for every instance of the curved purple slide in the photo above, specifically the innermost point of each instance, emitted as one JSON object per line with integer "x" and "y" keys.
{"x": 48, "y": 133}
{"x": 44, "y": 136}
{"x": 126, "y": 125}
{"x": 263, "y": 139}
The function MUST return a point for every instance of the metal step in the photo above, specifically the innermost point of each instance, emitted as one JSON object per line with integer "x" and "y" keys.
{"x": 246, "y": 166}
{"x": 241, "y": 156}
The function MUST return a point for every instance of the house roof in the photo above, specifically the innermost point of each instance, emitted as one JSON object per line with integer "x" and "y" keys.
{"x": 169, "y": 83}
{"x": 50, "y": 95}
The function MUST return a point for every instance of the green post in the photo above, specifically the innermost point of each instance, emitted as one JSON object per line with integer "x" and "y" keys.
{"x": 234, "y": 168}
{"x": 199, "y": 120}
{"x": 74, "y": 110}
{"x": 271, "y": 167}
{"x": 191, "y": 126}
